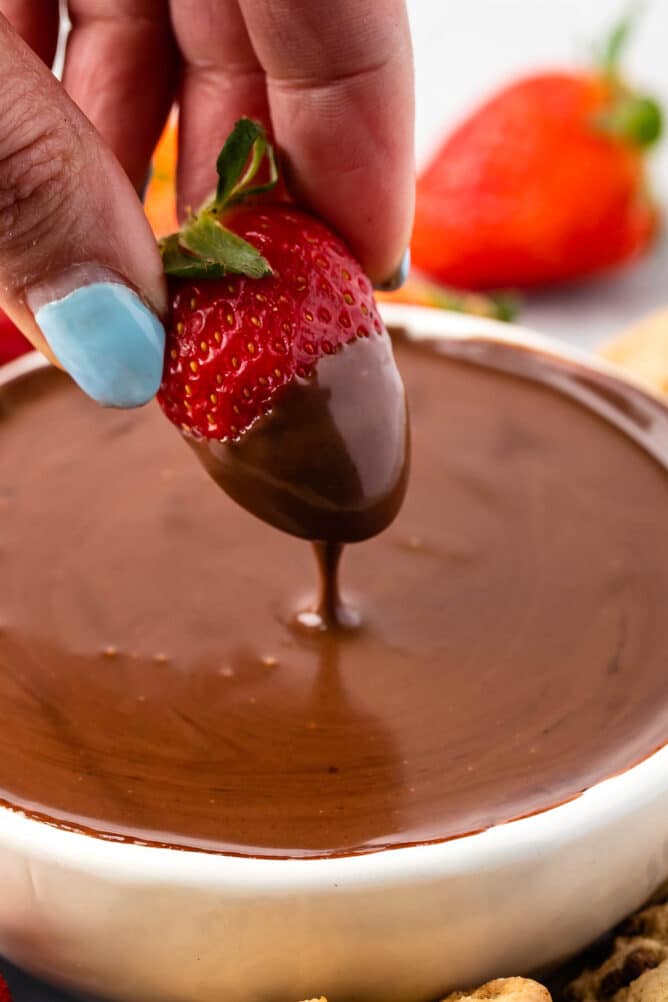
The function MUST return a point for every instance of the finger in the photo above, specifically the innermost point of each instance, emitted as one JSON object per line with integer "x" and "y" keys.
{"x": 222, "y": 80}
{"x": 79, "y": 269}
{"x": 120, "y": 68}
{"x": 36, "y": 23}
{"x": 340, "y": 88}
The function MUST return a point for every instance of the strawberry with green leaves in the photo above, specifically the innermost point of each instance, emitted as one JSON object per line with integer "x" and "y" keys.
{"x": 266, "y": 302}
{"x": 545, "y": 183}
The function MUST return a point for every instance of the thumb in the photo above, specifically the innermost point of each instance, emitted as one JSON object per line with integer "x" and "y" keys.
{"x": 80, "y": 271}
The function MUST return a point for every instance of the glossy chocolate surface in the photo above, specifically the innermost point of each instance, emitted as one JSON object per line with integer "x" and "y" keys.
{"x": 323, "y": 464}
{"x": 154, "y": 685}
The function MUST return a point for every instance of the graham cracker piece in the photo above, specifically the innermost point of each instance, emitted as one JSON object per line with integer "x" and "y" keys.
{"x": 508, "y": 989}
{"x": 629, "y": 963}
{"x": 650, "y": 987}
{"x": 652, "y": 923}
{"x": 642, "y": 351}
{"x": 636, "y": 966}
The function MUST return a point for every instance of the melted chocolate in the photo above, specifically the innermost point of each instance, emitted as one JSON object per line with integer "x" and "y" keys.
{"x": 154, "y": 686}
{"x": 323, "y": 464}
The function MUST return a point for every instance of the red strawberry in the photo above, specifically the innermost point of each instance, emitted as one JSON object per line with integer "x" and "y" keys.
{"x": 4, "y": 992}
{"x": 234, "y": 342}
{"x": 545, "y": 183}
{"x": 12, "y": 344}
{"x": 257, "y": 304}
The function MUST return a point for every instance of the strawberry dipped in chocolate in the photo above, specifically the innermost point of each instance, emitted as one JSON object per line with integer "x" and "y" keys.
{"x": 279, "y": 371}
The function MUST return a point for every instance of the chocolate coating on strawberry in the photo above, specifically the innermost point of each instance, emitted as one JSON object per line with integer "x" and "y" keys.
{"x": 329, "y": 461}
{"x": 279, "y": 371}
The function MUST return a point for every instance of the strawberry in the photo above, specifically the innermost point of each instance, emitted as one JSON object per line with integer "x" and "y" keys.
{"x": 544, "y": 183}
{"x": 4, "y": 991}
{"x": 12, "y": 344}
{"x": 235, "y": 341}
{"x": 262, "y": 294}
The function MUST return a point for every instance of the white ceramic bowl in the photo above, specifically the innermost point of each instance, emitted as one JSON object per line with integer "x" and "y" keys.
{"x": 402, "y": 925}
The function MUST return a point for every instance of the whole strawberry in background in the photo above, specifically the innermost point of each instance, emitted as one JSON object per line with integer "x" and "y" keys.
{"x": 545, "y": 183}
{"x": 278, "y": 368}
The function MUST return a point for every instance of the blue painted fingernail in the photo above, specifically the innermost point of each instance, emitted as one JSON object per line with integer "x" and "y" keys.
{"x": 398, "y": 276}
{"x": 108, "y": 340}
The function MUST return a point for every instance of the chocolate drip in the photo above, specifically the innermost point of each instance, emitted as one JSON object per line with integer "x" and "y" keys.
{"x": 331, "y": 611}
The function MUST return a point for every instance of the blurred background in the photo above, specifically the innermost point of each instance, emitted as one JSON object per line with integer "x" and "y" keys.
{"x": 465, "y": 49}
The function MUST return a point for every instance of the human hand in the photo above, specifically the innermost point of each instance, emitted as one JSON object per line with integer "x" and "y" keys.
{"x": 79, "y": 269}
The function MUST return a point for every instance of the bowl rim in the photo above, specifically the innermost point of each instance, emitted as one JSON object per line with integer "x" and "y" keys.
{"x": 603, "y": 804}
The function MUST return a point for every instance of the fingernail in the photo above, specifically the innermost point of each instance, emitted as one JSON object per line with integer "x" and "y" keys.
{"x": 398, "y": 276}
{"x": 102, "y": 333}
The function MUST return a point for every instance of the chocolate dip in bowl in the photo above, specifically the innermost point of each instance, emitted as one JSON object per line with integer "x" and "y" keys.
{"x": 201, "y": 798}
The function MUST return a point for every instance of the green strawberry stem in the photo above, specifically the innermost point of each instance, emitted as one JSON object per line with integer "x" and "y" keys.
{"x": 632, "y": 118}
{"x": 203, "y": 247}
{"x": 503, "y": 305}
{"x": 495, "y": 305}
{"x": 247, "y": 140}
{"x": 611, "y": 52}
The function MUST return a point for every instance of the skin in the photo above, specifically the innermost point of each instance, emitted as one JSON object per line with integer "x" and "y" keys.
{"x": 332, "y": 80}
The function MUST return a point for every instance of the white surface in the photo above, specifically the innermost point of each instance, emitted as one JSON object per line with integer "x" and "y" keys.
{"x": 464, "y": 49}
{"x": 146, "y": 924}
